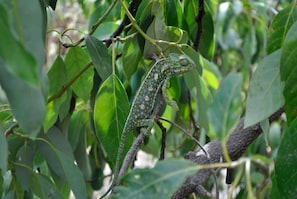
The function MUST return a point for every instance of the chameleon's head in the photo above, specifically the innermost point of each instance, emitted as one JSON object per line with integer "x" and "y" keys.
{"x": 177, "y": 64}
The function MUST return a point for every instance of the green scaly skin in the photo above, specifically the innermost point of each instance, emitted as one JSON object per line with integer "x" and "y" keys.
{"x": 143, "y": 104}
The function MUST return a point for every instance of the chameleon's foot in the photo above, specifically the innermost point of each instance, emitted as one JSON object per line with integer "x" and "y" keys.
{"x": 173, "y": 104}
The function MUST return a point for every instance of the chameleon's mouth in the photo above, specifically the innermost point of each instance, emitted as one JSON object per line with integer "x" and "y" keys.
{"x": 181, "y": 70}
{"x": 184, "y": 69}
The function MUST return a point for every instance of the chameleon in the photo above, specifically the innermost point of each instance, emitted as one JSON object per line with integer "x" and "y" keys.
{"x": 144, "y": 100}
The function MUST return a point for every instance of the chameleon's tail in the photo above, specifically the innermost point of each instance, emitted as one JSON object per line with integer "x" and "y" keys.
{"x": 117, "y": 165}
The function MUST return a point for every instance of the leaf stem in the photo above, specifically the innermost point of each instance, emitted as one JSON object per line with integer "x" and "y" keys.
{"x": 113, "y": 58}
{"x": 135, "y": 25}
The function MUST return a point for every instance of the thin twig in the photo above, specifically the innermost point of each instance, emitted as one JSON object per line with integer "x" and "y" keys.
{"x": 141, "y": 32}
{"x": 67, "y": 85}
{"x": 201, "y": 147}
{"x": 186, "y": 133}
{"x": 198, "y": 20}
{"x": 10, "y": 129}
{"x": 191, "y": 113}
{"x": 133, "y": 6}
{"x": 94, "y": 27}
{"x": 163, "y": 140}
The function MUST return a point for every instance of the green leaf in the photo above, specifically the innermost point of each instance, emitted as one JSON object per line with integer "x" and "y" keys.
{"x": 105, "y": 30}
{"x": 73, "y": 175}
{"x": 4, "y": 153}
{"x": 226, "y": 108}
{"x": 279, "y": 27}
{"x": 77, "y": 132}
{"x": 39, "y": 184}
{"x": 176, "y": 35}
{"x": 30, "y": 27}
{"x": 22, "y": 57}
{"x": 159, "y": 182}
{"x": 265, "y": 91}
{"x": 57, "y": 76}
{"x": 57, "y": 79}
{"x": 198, "y": 87}
{"x": 20, "y": 63}
{"x": 77, "y": 125}
{"x": 289, "y": 72}
{"x": 173, "y": 13}
{"x": 28, "y": 24}
{"x": 1, "y": 187}
{"x": 190, "y": 9}
{"x": 157, "y": 31}
{"x": 286, "y": 161}
{"x": 274, "y": 193}
{"x": 111, "y": 111}
{"x": 131, "y": 57}
{"x": 100, "y": 57}
{"x": 58, "y": 154}
{"x": 48, "y": 190}
{"x": 27, "y": 102}
{"x": 77, "y": 61}
{"x": 206, "y": 44}
{"x": 59, "y": 141}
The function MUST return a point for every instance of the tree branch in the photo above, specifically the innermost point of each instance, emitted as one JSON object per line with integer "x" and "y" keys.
{"x": 237, "y": 143}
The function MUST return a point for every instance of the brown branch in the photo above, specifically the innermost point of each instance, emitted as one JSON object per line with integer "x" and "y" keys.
{"x": 198, "y": 20}
{"x": 133, "y": 6}
{"x": 237, "y": 143}
{"x": 163, "y": 140}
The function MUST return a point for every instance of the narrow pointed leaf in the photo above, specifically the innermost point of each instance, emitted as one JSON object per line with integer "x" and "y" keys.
{"x": 27, "y": 102}
{"x": 15, "y": 58}
{"x": 21, "y": 74}
{"x": 100, "y": 57}
{"x": 131, "y": 57}
{"x": 77, "y": 61}
{"x": 57, "y": 79}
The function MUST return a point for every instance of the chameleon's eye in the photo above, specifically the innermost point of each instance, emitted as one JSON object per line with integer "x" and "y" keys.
{"x": 184, "y": 62}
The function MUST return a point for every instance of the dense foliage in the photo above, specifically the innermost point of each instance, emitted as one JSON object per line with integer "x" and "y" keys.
{"x": 61, "y": 120}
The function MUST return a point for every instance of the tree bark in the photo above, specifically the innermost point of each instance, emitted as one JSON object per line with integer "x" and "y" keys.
{"x": 237, "y": 143}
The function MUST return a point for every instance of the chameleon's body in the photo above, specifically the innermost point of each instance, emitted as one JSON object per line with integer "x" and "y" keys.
{"x": 144, "y": 101}
{"x": 145, "y": 98}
